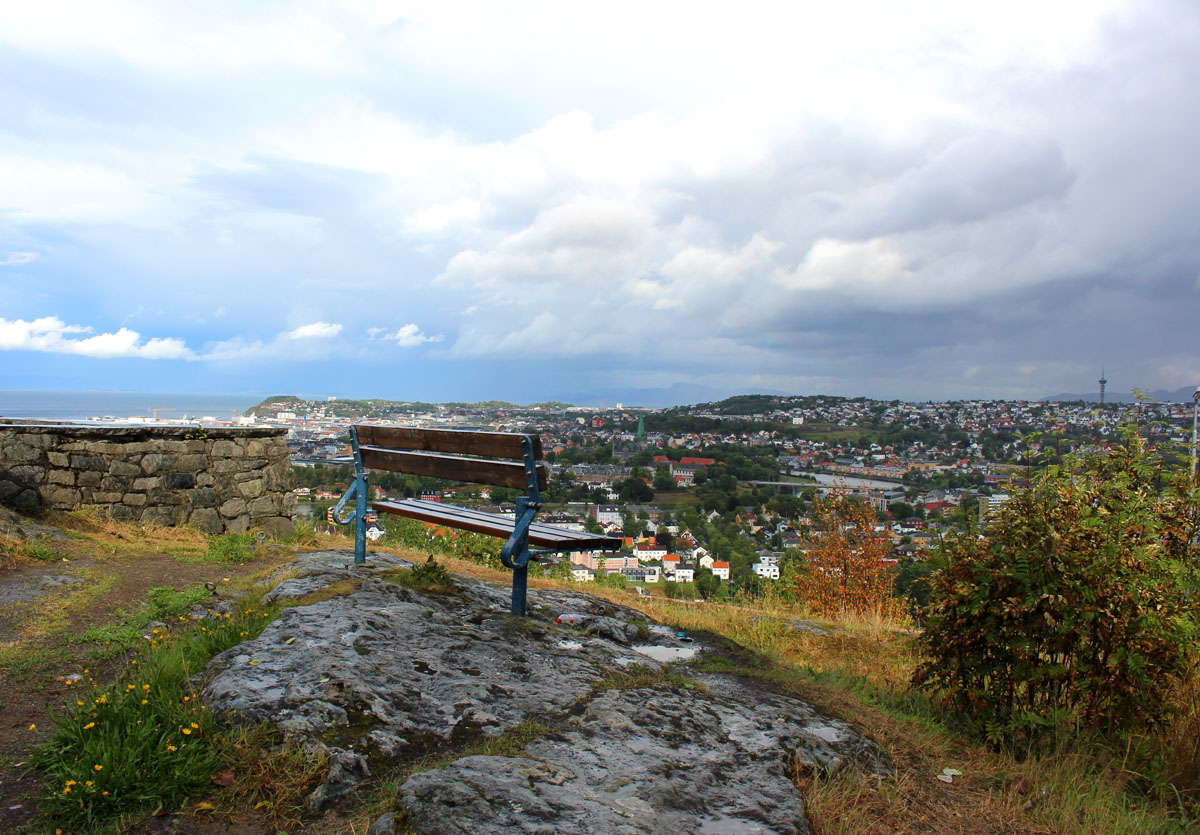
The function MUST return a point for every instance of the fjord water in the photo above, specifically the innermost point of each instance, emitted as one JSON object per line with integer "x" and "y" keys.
{"x": 80, "y": 405}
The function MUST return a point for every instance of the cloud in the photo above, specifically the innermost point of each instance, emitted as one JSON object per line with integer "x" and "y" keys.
{"x": 51, "y": 335}
{"x": 315, "y": 330}
{"x": 858, "y": 196}
{"x": 16, "y": 259}
{"x": 410, "y": 336}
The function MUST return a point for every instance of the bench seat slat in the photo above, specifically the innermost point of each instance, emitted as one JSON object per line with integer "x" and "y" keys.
{"x": 453, "y": 467}
{"x": 543, "y": 536}
{"x": 453, "y": 441}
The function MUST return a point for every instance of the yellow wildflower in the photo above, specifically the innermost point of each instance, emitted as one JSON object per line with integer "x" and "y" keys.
{"x": 33, "y": 727}
{"x": 172, "y": 748}
{"x": 145, "y": 686}
{"x": 186, "y": 731}
{"x": 98, "y": 767}
{"x": 78, "y": 703}
{"x": 89, "y": 726}
{"x": 194, "y": 725}
{"x": 87, "y": 783}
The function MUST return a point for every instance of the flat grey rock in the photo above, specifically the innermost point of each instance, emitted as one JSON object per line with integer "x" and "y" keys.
{"x": 381, "y": 670}
{"x": 648, "y": 760}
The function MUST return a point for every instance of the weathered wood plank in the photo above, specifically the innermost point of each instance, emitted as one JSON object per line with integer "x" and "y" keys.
{"x": 453, "y": 467}
{"x": 461, "y": 518}
{"x": 454, "y": 441}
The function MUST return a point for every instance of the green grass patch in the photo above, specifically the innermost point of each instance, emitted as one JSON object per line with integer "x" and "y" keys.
{"x": 230, "y": 548}
{"x": 39, "y": 550}
{"x": 162, "y": 603}
{"x": 23, "y": 661}
{"x": 429, "y": 576}
{"x": 144, "y": 741}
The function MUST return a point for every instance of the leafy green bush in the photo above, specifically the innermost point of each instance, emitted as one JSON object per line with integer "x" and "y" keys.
{"x": 1076, "y": 606}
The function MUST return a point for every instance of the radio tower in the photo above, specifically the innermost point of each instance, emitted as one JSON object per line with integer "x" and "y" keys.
{"x": 1103, "y": 383}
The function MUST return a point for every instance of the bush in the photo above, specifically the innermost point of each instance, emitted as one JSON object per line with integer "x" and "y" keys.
{"x": 1076, "y": 605}
{"x": 843, "y": 572}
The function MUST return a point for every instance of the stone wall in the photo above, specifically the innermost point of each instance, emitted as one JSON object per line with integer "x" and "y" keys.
{"x": 217, "y": 479}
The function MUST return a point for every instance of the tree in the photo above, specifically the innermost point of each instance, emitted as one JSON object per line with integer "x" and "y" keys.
{"x": 900, "y": 510}
{"x": 844, "y": 573}
{"x": 1076, "y": 605}
{"x": 707, "y": 583}
{"x": 634, "y": 490}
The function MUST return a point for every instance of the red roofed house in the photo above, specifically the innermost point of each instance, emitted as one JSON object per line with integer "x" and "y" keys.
{"x": 720, "y": 570}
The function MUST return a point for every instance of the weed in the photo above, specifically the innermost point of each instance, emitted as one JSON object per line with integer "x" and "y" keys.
{"x": 230, "y": 548}
{"x": 271, "y": 777}
{"x": 162, "y": 604}
{"x": 145, "y": 741}
{"x": 429, "y": 576}
{"x": 37, "y": 549}
{"x": 306, "y": 536}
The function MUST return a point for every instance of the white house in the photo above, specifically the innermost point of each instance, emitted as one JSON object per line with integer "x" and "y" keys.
{"x": 767, "y": 570}
{"x": 582, "y": 574}
{"x": 720, "y": 570}
{"x": 645, "y": 574}
{"x": 650, "y": 551}
{"x": 685, "y": 573}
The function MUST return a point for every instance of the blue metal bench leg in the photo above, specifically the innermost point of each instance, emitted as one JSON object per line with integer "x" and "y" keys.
{"x": 520, "y": 576}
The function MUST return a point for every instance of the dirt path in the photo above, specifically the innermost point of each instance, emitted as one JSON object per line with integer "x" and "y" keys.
{"x": 42, "y": 606}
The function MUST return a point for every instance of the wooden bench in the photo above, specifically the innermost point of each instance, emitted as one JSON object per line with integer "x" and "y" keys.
{"x": 496, "y": 458}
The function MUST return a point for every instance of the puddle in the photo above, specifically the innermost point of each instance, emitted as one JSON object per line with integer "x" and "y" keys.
{"x": 667, "y": 654}
{"x": 570, "y": 645}
{"x": 827, "y": 733}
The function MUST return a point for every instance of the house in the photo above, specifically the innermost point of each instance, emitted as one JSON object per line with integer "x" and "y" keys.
{"x": 767, "y": 570}
{"x": 650, "y": 551}
{"x": 644, "y": 574}
{"x": 705, "y": 560}
{"x": 685, "y": 573}
{"x": 720, "y": 570}
{"x": 620, "y": 563}
{"x": 582, "y": 574}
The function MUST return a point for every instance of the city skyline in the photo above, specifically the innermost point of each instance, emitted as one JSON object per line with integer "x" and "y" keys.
{"x": 531, "y": 203}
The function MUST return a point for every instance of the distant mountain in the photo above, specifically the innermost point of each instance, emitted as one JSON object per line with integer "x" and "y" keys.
{"x": 677, "y": 394}
{"x": 1183, "y": 395}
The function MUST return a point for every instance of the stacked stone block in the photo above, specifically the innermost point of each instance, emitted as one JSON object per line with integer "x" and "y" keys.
{"x": 217, "y": 479}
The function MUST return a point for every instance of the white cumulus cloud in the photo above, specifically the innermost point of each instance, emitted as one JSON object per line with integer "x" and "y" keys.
{"x": 315, "y": 330}
{"x": 51, "y": 335}
{"x": 410, "y": 336}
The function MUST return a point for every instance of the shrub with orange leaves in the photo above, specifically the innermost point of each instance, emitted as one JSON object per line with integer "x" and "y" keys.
{"x": 844, "y": 573}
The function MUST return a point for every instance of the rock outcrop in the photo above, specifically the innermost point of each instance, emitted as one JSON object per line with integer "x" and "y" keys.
{"x": 379, "y": 671}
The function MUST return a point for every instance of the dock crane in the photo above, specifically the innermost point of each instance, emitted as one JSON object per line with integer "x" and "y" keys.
{"x": 154, "y": 412}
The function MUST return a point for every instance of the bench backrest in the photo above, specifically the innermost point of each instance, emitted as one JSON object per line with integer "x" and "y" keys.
{"x": 496, "y": 458}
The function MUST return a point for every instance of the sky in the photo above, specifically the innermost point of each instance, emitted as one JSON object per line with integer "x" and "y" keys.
{"x": 629, "y": 201}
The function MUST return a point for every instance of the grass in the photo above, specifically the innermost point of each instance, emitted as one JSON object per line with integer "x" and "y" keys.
{"x": 162, "y": 604}
{"x": 230, "y": 548}
{"x": 429, "y": 576}
{"x": 145, "y": 740}
{"x": 39, "y": 551}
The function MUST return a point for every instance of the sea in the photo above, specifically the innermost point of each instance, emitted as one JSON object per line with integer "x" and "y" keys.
{"x": 121, "y": 405}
